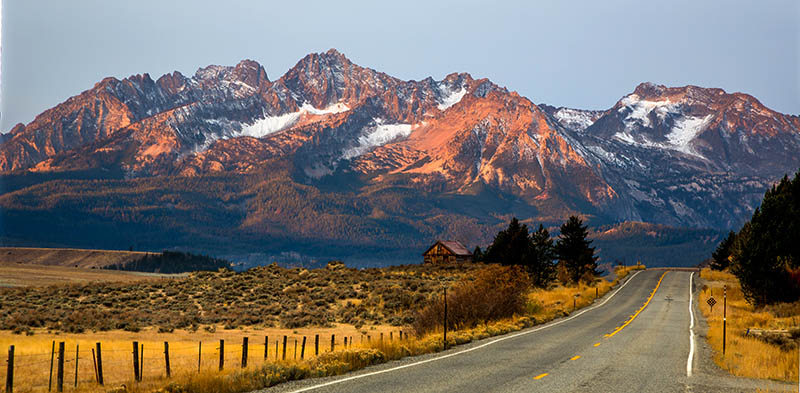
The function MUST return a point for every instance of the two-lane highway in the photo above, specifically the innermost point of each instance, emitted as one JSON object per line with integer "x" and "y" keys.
{"x": 638, "y": 338}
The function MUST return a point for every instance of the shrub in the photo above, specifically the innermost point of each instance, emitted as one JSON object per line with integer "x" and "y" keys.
{"x": 494, "y": 292}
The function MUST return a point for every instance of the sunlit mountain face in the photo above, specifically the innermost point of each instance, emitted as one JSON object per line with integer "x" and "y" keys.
{"x": 333, "y": 158}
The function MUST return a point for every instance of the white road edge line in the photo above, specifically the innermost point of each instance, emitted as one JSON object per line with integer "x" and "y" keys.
{"x": 690, "y": 359}
{"x": 468, "y": 349}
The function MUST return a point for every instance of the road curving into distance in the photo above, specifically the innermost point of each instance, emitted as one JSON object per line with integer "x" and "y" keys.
{"x": 642, "y": 337}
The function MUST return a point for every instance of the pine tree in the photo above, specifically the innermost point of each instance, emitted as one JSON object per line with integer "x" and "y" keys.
{"x": 477, "y": 254}
{"x": 574, "y": 251}
{"x": 509, "y": 245}
{"x": 765, "y": 256}
{"x": 720, "y": 257}
{"x": 534, "y": 251}
{"x": 540, "y": 260}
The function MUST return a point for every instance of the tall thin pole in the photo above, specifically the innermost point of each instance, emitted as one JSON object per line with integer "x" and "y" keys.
{"x": 724, "y": 316}
{"x": 60, "y": 370}
{"x": 99, "y": 365}
{"x": 166, "y": 358}
{"x": 221, "y": 354}
{"x": 52, "y": 356}
{"x": 445, "y": 318}
{"x": 77, "y": 356}
{"x": 10, "y": 370}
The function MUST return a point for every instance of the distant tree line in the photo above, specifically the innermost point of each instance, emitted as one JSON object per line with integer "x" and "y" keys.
{"x": 765, "y": 253}
{"x": 570, "y": 259}
{"x": 173, "y": 262}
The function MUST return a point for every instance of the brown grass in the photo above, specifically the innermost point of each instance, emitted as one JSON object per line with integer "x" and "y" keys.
{"x": 25, "y": 275}
{"x": 32, "y": 353}
{"x": 745, "y": 356}
{"x": 72, "y": 257}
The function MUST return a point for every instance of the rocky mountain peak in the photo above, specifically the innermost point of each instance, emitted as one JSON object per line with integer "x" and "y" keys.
{"x": 251, "y": 73}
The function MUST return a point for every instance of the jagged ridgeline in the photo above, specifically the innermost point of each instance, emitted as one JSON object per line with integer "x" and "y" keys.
{"x": 173, "y": 262}
{"x": 335, "y": 160}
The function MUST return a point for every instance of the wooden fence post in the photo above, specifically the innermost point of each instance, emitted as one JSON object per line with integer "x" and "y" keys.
{"x": 284, "y": 348}
{"x": 94, "y": 365}
{"x": 345, "y": 342}
{"x": 303, "y": 349}
{"x": 276, "y": 349}
{"x": 295, "y": 348}
{"x": 52, "y": 356}
{"x": 166, "y": 358}
{"x": 316, "y": 345}
{"x": 77, "y": 356}
{"x": 99, "y": 366}
{"x": 10, "y": 371}
{"x": 136, "y": 361}
{"x": 221, "y": 354}
{"x": 266, "y": 347}
{"x": 60, "y": 369}
{"x": 199, "y": 355}
{"x": 141, "y": 362}
{"x": 333, "y": 341}
{"x": 244, "y": 352}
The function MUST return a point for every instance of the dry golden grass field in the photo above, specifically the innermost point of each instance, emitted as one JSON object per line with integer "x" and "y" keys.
{"x": 748, "y": 356}
{"x": 372, "y": 341}
{"x": 32, "y": 353}
{"x": 72, "y": 257}
{"x": 26, "y": 275}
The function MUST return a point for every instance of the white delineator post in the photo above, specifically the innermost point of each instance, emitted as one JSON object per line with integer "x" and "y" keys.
{"x": 690, "y": 359}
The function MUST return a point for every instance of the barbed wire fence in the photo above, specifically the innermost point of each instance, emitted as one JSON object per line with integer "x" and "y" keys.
{"x": 70, "y": 365}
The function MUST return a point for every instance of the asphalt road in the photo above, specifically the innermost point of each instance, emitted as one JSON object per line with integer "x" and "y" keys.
{"x": 616, "y": 345}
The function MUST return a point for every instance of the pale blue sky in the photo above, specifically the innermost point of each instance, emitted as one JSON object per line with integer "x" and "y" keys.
{"x": 584, "y": 54}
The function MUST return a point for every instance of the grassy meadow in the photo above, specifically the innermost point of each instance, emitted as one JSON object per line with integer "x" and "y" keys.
{"x": 748, "y": 356}
{"x": 368, "y": 307}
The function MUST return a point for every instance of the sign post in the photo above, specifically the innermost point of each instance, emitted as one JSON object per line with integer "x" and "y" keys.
{"x": 445, "y": 317}
{"x": 724, "y": 316}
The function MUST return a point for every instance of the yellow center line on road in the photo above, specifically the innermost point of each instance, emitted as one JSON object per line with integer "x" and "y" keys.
{"x": 597, "y": 345}
{"x": 540, "y": 376}
{"x": 576, "y": 357}
{"x": 638, "y": 311}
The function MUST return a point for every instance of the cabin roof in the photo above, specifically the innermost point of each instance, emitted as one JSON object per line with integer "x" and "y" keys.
{"x": 454, "y": 246}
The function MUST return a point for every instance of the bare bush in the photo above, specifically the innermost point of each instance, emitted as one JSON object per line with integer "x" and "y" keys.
{"x": 493, "y": 293}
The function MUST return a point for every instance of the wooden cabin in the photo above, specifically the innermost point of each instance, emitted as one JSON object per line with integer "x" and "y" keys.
{"x": 447, "y": 252}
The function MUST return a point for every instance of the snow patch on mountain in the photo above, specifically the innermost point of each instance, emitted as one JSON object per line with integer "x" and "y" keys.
{"x": 378, "y": 136}
{"x": 333, "y": 109}
{"x": 453, "y": 97}
{"x": 270, "y": 125}
{"x": 638, "y": 110}
{"x": 685, "y": 130}
{"x": 574, "y": 119}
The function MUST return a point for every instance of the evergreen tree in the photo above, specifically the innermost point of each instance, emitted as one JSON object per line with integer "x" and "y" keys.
{"x": 540, "y": 258}
{"x": 574, "y": 251}
{"x": 719, "y": 258}
{"x": 534, "y": 251}
{"x": 477, "y": 254}
{"x": 510, "y": 245}
{"x": 765, "y": 256}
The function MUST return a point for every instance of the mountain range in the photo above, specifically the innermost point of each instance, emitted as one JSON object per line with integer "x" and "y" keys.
{"x": 335, "y": 160}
